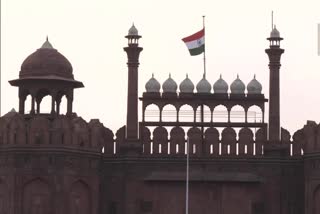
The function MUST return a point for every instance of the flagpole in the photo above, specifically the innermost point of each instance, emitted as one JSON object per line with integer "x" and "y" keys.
{"x": 204, "y": 48}
{"x": 187, "y": 179}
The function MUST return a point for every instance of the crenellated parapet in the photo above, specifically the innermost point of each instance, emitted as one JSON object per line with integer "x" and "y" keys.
{"x": 307, "y": 139}
{"x": 41, "y": 131}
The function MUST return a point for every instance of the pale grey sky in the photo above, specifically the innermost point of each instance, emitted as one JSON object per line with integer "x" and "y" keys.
{"x": 91, "y": 35}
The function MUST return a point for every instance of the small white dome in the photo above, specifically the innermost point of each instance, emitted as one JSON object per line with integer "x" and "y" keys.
{"x": 47, "y": 45}
{"x": 203, "y": 86}
{"x": 237, "y": 86}
{"x": 220, "y": 86}
{"x": 275, "y": 33}
{"x": 186, "y": 86}
{"x": 133, "y": 31}
{"x": 254, "y": 86}
{"x": 152, "y": 85}
{"x": 169, "y": 85}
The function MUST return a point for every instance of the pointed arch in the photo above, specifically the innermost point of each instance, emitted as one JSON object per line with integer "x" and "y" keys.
{"x": 79, "y": 198}
{"x": 255, "y": 114}
{"x": 169, "y": 113}
{"x": 220, "y": 114}
{"x": 207, "y": 114}
{"x": 237, "y": 114}
{"x": 186, "y": 113}
{"x": 177, "y": 141}
{"x": 152, "y": 113}
{"x": 37, "y": 197}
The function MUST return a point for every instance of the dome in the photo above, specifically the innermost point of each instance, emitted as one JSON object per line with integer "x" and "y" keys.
{"x": 220, "y": 86}
{"x": 237, "y": 86}
{"x": 186, "y": 86}
{"x": 152, "y": 85}
{"x": 133, "y": 31}
{"x": 46, "y": 61}
{"x": 254, "y": 86}
{"x": 169, "y": 85}
{"x": 275, "y": 33}
{"x": 203, "y": 86}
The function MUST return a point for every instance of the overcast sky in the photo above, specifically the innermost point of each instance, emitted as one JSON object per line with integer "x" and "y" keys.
{"x": 91, "y": 35}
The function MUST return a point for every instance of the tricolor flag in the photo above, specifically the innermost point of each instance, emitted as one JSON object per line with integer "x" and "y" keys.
{"x": 195, "y": 43}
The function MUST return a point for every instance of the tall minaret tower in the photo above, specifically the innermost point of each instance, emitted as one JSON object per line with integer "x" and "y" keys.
{"x": 133, "y": 51}
{"x": 274, "y": 52}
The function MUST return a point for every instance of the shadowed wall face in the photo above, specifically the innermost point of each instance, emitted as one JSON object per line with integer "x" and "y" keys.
{"x": 209, "y": 198}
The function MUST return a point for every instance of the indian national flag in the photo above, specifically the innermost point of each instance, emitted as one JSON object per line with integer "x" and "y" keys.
{"x": 195, "y": 43}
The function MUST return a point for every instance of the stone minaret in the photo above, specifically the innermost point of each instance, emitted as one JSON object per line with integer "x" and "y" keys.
{"x": 133, "y": 51}
{"x": 274, "y": 52}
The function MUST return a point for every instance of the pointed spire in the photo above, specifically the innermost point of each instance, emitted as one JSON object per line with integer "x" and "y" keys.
{"x": 152, "y": 75}
{"x": 187, "y": 76}
{"x": 46, "y": 44}
{"x": 220, "y": 76}
{"x": 169, "y": 75}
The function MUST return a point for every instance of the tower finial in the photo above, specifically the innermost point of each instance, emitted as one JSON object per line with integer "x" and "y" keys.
{"x": 47, "y": 38}
{"x": 272, "y": 20}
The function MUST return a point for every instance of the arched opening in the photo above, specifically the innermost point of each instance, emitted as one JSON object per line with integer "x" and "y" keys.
{"x": 27, "y": 104}
{"x": 254, "y": 115}
{"x": 79, "y": 199}
{"x": 45, "y": 105}
{"x": 237, "y": 114}
{"x": 186, "y": 113}
{"x": 63, "y": 105}
{"x": 37, "y": 197}
{"x": 207, "y": 116}
{"x": 220, "y": 114}
{"x": 169, "y": 113}
{"x": 152, "y": 113}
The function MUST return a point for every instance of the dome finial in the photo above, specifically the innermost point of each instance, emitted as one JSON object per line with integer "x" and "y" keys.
{"x": 169, "y": 75}
{"x": 187, "y": 76}
{"x": 152, "y": 75}
{"x": 220, "y": 76}
{"x": 46, "y": 44}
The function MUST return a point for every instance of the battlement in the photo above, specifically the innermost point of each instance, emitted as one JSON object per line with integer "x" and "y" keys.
{"x": 44, "y": 131}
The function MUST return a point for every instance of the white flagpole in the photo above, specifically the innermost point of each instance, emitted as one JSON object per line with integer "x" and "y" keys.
{"x": 204, "y": 51}
{"x": 187, "y": 179}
